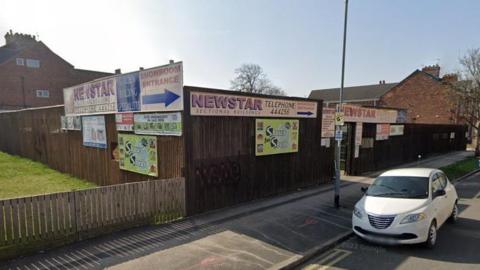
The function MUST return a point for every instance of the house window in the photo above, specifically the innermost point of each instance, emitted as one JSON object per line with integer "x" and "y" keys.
{"x": 32, "y": 63}
{"x": 20, "y": 62}
{"x": 43, "y": 93}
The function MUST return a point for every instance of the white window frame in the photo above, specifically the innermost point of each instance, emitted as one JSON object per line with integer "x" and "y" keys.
{"x": 29, "y": 63}
{"x": 20, "y": 62}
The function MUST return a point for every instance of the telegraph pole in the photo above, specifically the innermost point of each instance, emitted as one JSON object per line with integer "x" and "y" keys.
{"x": 339, "y": 110}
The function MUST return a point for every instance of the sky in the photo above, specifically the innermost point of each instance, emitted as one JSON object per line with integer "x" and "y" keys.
{"x": 297, "y": 42}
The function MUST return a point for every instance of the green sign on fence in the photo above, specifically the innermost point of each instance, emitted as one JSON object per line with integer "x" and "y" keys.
{"x": 166, "y": 124}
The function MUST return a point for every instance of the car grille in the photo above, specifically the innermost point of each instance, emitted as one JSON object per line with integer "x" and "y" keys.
{"x": 380, "y": 222}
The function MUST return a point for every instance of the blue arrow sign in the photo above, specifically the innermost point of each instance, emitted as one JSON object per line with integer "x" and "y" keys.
{"x": 304, "y": 113}
{"x": 167, "y": 97}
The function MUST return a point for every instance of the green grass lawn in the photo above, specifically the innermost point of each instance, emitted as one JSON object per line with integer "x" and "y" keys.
{"x": 460, "y": 168}
{"x": 24, "y": 177}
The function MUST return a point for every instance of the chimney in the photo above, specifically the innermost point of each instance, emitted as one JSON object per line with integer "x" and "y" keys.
{"x": 118, "y": 71}
{"x": 18, "y": 39}
{"x": 433, "y": 70}
{"x": 452, "y": 77}
{"x": 141, "y": 68}
{"x": 171, "y": 61}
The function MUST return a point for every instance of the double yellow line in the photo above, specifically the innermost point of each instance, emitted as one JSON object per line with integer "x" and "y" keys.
{"x": 329, "y": 259}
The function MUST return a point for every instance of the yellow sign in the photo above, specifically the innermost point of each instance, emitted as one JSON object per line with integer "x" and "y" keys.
{"x": 339, "y": 119}
{"x": 138, "y": 153}
{"x": 276, "y": 136}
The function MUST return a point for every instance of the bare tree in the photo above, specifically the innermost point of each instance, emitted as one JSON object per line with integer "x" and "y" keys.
{"x": 468, "y": 91}
{"x": 250, "y": 78}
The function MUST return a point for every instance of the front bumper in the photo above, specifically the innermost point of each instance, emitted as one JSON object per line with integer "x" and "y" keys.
{"x": 396, "y": 233}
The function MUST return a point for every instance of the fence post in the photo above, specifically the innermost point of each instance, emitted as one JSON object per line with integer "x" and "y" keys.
{"x": 76, "y": 217}
{"x": 153, "y": 192}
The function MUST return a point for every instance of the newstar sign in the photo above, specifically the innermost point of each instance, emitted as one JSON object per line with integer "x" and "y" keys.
{"x": 155, "y": 89}
{"x": 215, "y": 104}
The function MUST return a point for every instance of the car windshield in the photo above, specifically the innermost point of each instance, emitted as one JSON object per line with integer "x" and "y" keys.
{"x": 399, "y": 187}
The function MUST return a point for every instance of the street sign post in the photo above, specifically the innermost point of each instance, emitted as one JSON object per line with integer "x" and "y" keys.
{"x": 338, "y": 135}
{"x": 336, "y": 198}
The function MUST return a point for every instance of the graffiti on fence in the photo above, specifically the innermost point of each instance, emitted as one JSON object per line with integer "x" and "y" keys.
{"x": 226, "y": 172}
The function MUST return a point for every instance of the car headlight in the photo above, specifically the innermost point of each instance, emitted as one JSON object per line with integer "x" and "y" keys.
{"x": 357, "y": 212}
{"x": 413, "y": 218}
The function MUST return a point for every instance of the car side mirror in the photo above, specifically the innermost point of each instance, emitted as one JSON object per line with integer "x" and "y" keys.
{"x": 364, "y": 189}
{"x": 439, "y": 193}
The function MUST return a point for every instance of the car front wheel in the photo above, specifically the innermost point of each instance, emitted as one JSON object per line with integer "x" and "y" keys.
{"x": 432, "y": 235}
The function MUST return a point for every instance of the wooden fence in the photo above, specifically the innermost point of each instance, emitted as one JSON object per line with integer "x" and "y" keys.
{"x": 49, "y": 220}
{"x": 418, "y": 139}
{"x": 222, "y": 168}
{"x": 36, "y": 134}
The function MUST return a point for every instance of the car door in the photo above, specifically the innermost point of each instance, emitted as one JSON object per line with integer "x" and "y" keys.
{"x": 450, "y": 195}
{"x": 440, "y": 202}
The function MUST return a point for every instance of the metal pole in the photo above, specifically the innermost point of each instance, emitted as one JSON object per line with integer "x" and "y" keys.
{"x": 339, "y": 109}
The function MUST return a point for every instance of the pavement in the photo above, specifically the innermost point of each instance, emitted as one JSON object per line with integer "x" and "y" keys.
{"x": 457, "y": 246}
{"x": 273, "y": 233}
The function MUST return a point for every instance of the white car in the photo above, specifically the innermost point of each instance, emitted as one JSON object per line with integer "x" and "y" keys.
{"x": 405, "y": 206}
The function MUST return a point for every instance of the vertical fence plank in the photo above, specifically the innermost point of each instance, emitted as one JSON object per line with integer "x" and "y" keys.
{"x": 7, "y": 207}
{"x": 53, "y": 203}
{"x": 22, "y": 220}
{"x": 61, "y": 214}
{"x": 29, "y": 219}
{"x": 2, "y": 225}
{"x": 42, "y": 232}
{"x": 35, "y": 218}
{"x": 72, "y": 218}
{"x": 15, "y": 223}
{"x": 47, "y": 204}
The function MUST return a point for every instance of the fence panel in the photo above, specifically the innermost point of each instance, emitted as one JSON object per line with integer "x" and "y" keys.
{"x": 44, "y": 220}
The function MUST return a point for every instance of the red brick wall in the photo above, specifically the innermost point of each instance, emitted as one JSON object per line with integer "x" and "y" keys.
{"x": 54, "y": 74}
{"x": 426, "y": 100}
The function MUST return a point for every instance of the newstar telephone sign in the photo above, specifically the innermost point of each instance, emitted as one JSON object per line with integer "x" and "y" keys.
{"x": 215, "y": 104}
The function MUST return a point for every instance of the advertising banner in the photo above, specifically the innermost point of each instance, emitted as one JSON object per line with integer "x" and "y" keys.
{"x": 128, "y": 92}
{"x": 383, "y": 132}
{"x": 155, "y": 89}
{"x": 94, "y": 131}
{"x": 328, "y": 122}
{"x": 368, "y": 115}
{"x": 358, "y": 133}
{"x": 396, "y": 130}
{"x": 95, "y": 97}
{"x": 276, "y": 136}
{"x": 215, "y": 104}
{"x": 168, "y": 124}
{"x": 138, "y": 153}
{"x": 71, "y": 122}
{"x": 63, "y": 122}
{"x": 124, "y": 121}
{"x": 162, "y": 88}
{"x": 325, "y": 142}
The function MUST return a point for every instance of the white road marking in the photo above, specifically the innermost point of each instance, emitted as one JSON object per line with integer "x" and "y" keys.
{"x": 329, "y": 260}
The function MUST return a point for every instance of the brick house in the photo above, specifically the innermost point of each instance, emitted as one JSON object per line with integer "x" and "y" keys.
{"x": 31, "y": 75}
{"x": 426, "y": 97}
